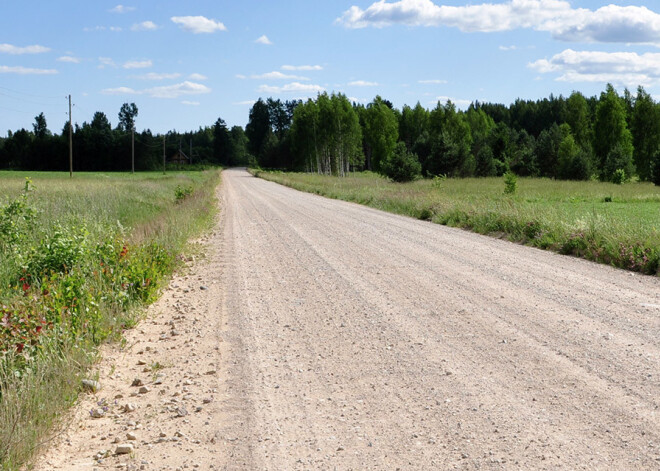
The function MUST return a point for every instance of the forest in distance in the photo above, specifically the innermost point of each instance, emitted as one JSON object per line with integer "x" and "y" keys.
{"x": 612, "y": 137}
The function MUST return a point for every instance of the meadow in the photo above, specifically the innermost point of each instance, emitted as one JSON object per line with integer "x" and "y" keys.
{"x": 613, "y": 224}
{"x": 79, "y": 259}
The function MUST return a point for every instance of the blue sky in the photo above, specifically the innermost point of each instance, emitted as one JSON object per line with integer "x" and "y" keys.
{"x": 187, "y": 63}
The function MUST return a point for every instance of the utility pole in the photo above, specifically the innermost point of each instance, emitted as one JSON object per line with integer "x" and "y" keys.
{"x": 133, "y": 150}
{"x": 163, "y": 154}
{"x": 70, "y": 141}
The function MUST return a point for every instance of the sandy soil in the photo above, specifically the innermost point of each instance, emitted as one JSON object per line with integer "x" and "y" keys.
{"x": 324, "y": 335}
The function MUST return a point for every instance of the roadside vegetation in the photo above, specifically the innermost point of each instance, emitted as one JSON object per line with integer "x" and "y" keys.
{"x": 79, "y": 259}
{"x": 604, "y": 222}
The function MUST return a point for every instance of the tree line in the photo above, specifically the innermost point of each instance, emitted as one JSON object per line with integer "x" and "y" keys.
{"x": 97, "y": 146}
{"x": 612, "y": 137}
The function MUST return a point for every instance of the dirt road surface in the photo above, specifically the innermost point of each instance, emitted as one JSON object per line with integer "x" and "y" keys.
{"x": 333, "y": 336}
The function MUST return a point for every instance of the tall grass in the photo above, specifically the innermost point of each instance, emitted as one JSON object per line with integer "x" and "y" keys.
{"x": 78, "y": 260}
{"x": 613, "y": 224}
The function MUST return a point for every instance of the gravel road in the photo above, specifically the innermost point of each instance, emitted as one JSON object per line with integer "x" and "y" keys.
{"x": 323, "y": 335}
{"x": 357, "y": 339}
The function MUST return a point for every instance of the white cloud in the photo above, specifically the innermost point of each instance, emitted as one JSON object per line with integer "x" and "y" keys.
{"x": 246, "y": 102}
{"x": 120, "y": 91}
{"x": 432, "y": 82}
{"x": 621, "y": 68}
{"x": 144, "y": 26}
{"x": 121, "y": 9}
{"x": 461, "y": 103}
{"x": 241, "y": 76}
{"x": 353, "y": 99}
{"x": 4, "y": 69}
{"x": 263, "y": 40}
{"x": 508, "y": 48}
{"x": 115, "y": 29}
{"x": 275, "y": 75}
{"x": 169, "y": 91}
{"x": 198, "y": 24}
{"x": 157, "y": 76}
{"x": 363, "y": 83}
{"x": 292, "y": 87}
{"x": 175, "y": 91}
{"x": 106, "y": 62}
{"x": 197, "y": 77}
{"x": 70, "y": 59}
{"x": 137, "y": 64}
{"x": 302, "y": 67}
{"x": 611, "y": 23}
{"x": 17, "y": 50}
{"x": 190, "y": 103}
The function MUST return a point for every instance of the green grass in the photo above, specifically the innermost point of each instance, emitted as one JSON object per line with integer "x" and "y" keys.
{"x": 78, "y": 261}
{"x": 613, "y": 224}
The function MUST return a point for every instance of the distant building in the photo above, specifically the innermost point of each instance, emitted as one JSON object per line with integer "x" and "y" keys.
{"x": 179, "y": 158}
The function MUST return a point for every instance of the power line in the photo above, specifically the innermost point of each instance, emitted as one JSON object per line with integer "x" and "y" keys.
{"x": 30, "y": 94}
{"x": 23, "y": 100}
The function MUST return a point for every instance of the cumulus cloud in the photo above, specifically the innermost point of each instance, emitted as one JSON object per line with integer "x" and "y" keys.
{"x": 69, "y": 59}
{"x": 611, "y": 23}
{"x": 17, "y": 50}
{"x": 4, "y": 69}
{"x": 121, "y": 9}
{"x": 115, "y": 29}
{"x": 175, "y": 91}
{"x": 168, "y": 91}
{"x": 246, "y": 102}
{"x": 190, "y": 103}
{"x": 198, "y": 24}
{"x": 157, "y": 76}
{"x": 508, "y": 48}
{"x": 293, "y": 87}
{"x": 263, "y": 40}
{"x": 275, "y": 75}
{"x": 459, "y": 102}
{"x": 144, "y": 26}
{"x": 137, "y": 64}
{"x": 621, "y": 68}
{"x": 197, "y": 77}
{"x": 432, "y": 82}
{"x": 302, "y": 67}
{"x": 120, "y": 91}
{"x": 106, "y": 62}
{"x": 363, "y": 83}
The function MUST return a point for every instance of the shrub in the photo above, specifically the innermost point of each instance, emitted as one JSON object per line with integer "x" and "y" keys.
{"x": 510, "y": 183}
{"x": 619, "y": 176}
{"x": 182, "y": 193}
{"x": 402, "y": 165}
{"x": 16, "y": 217}
{"x": 618, "y": 167}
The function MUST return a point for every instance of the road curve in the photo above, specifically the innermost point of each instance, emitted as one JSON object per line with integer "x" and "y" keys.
{"x": 358, "y": 339}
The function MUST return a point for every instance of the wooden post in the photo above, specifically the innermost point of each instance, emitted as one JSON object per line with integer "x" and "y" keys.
{"x": 133, "y": 150}
{"x": 70, "y": 141}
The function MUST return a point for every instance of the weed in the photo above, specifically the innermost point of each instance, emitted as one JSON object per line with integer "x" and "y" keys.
{"x": 76, "y": 264}
{"x": 181, "y": 193}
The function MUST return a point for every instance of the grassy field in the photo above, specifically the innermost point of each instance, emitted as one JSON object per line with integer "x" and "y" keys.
{"x": 79, "y": 258}
{"x": 604, "y": 222}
